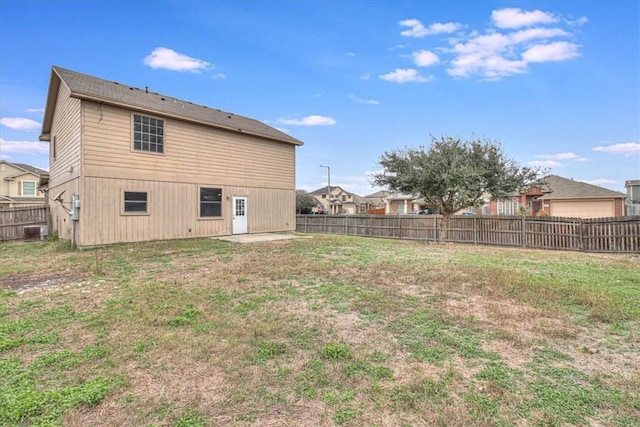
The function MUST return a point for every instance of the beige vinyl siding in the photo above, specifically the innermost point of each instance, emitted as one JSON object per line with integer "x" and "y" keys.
{"x": 583, "y": 209}
{"x": 60, "y": 221}
{"x": 66, "y": 128}
{"x": 190, "y": 151}
{"x": 173, "y": 211}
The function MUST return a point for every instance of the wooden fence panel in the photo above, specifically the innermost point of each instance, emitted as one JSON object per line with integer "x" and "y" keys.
{"x": 574, "y": 234}
{"x": 14, "y": 220}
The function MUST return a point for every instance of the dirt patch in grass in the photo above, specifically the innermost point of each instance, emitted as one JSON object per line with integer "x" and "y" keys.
{"x": 40, "y": 280}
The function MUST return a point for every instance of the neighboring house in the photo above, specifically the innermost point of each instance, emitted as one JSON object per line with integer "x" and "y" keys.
{"x": 19, "y": 185}
{"x": 377, "y": 200}
{"x": 128, "y": 164}
{"x": 401, "y": 204}
{"x": 563, "y": 197}
{"x": 633, "y": 197}
{"x": 340, "y": 202}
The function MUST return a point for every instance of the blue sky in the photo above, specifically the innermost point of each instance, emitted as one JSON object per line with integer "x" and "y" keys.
{"x": 557, "y": 83}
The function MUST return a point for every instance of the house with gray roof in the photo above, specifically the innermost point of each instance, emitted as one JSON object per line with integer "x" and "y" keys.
{"x": 129, "y": 164}
{"x": 339, "y": 201}
{"x": 19, "y": 184}
{"x": 563, "y": 197}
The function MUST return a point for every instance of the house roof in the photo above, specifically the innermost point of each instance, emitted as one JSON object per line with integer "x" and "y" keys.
{"x": 86, "y": 87}
{"x": 563, "y": 188}
{"x": 26, "y": 169}
{"x": 382, "y": 194}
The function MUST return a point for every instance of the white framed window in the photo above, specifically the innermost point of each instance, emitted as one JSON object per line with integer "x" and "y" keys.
{"x": 210, "y": 202}
{"x": 136, "y": 202}
{"x": 500, "y": 208}
{"x": 28, "y": 188}
{"x": 148, "y": 134}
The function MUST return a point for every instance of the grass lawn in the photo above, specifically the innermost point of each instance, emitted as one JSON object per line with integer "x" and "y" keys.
{"x": 320, "y": 331}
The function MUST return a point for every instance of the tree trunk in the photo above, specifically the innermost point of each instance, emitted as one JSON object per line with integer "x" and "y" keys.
{"x": 442, "y": 230}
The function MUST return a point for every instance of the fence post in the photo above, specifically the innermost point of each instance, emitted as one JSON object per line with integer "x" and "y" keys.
{"x": 346, "y": 225}
{"x": 581, "y": 244}
{"x": 399, "y": 227}
{"x": 325, "y": 224}
{"x": 475, "y": 231}
{"x": 523, "y": 232}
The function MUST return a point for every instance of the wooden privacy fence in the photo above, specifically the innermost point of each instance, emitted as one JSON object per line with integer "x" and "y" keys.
{"x": 575, "y": 234}
{"x": 15, "y": 222}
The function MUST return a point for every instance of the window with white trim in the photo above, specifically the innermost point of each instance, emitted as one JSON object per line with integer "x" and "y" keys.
{"x": 210, "y": 202}
{"x": 135, "y": 202}
{"x": 28, "y": 188}
{"x": 148, "y": 134}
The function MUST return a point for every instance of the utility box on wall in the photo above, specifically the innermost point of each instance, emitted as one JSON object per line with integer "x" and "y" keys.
{"x": 75, "y": 208}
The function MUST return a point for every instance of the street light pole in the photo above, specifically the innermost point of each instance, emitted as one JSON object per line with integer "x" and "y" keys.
{"x": 328, "y": 185}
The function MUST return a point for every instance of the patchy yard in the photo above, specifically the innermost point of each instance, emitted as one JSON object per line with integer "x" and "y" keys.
{"x": 324, "y": 331}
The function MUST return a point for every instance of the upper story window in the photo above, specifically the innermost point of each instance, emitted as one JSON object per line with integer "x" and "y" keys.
{"x": 28, "y": 188}
{"x": 148, "y": 134}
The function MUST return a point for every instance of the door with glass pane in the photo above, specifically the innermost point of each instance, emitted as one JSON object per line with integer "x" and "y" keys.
{"x": 239, "y": 225}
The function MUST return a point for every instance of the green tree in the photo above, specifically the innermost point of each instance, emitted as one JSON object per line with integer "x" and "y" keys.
{"x": 453, "y": 174}
{"x": 305, "y": 202}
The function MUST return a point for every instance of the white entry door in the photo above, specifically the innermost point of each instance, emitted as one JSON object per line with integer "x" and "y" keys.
{"x": 239, "y": 215}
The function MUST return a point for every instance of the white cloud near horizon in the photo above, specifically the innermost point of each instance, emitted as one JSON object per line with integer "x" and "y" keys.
{"x": 516, "y": 39}
{"x": 562, "y": 156}
{"x": 516, "y": 18}
{"x": 35, "y": 110}
{"x": 416, "y": 29}
{"x": 20, "y": 123}
{"x": 425, "y": 58}
{"x": 551, "y": 164}
{"x": 312, "y": 120}
{"x": 169, "y": 59}
{"x": 628, "y": 148}
{"x": 406, "y": 75}
{"x": 23, "y": 147}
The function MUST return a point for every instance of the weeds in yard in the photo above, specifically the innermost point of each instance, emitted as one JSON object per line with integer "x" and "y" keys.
{"x": 332, "y": 330}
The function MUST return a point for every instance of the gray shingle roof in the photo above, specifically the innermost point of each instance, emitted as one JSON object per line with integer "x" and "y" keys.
{"x": 31, "y": 169}
{"x": 84, "y": 86}
{"x": 563, "y": 188}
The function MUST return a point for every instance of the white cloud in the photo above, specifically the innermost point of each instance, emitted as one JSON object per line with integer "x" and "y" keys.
{"x": 577, "y": 22}
{"x": 218, "y": 76}
{"x": 416, "y": 29}
{"x": 516, "y": 39}
{"x": 313, "y": 120}
{"x": 551, "y": 164}
{"x": 516, "y": 18}
{"x": 24, "y": 147}
{"x": 556, "y": 51}
{"x": 20, "y": 123}
{"x": 35, "y": 110}
{"x": 628, "y": 148}
{"x": 495, "y": 55}
{"x": 364, "y": 101}
{"x": 351, "y": 54}
{"x": 425, "y": 58}
{"x": 169, "y": 59}
{"x": 405, "y": 76}
{"x": 562, "y": 156}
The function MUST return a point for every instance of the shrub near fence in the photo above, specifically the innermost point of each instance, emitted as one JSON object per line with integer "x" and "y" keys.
{"x": 14, "y": 220}
{"x": 576, "y": 234}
